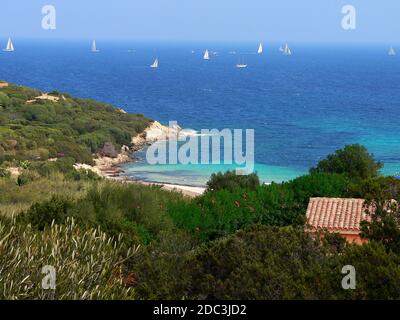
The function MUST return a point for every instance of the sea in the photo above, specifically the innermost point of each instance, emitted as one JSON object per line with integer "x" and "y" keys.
{"x": 301, "y": 107}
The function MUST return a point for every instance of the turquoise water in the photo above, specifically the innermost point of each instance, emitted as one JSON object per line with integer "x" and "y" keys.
{"x": 302, "y": 107}
{"x": 198, "y": 174}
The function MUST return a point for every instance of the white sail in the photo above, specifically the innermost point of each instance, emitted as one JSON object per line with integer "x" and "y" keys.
{"x": 206, "y": 55}
{"x": 94, "y": 47}
{"x": 392, "y": 52}
{"x": 260, "y": 49}
{"x": 10, "y": 46}
{"x": 155, "y": 64}
{"x": 287, "y": 51}
{"x": 281, "y": 49}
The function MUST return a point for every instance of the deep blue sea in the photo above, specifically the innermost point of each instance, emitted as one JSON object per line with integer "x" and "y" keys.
{"x": 301, "y": 107}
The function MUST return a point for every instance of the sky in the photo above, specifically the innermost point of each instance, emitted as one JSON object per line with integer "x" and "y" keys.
{"x": 204, "y": 20}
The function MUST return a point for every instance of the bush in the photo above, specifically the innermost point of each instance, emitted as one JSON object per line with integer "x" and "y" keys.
{"x": 220, "y": 213}
{"x": 82, "y": 175}
{"x": 43, "y": 214}
{"x": 377, "y": 273}
{"x": 27, "y": 177}
{"x": 160, "y": 267}
{"x": 261, "y": 263}
{"x": 138, "y": 212}
{"x": 230, "y": 181}
{"x": 353, "y": 160}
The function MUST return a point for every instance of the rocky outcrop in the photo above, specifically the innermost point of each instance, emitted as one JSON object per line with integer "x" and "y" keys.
{"x": 155, "y": 132}
{"x": 108, "y": 157}
{"x": 108, "y": 150}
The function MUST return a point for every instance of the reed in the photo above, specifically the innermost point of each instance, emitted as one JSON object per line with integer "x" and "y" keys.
{"x": 88, "y": 264}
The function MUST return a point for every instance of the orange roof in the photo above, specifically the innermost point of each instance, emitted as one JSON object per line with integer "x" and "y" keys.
{"x": 336, "y": 214}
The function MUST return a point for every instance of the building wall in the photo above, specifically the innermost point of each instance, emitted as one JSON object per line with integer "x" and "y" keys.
{"x": 351, "y": 238}
{"x": 354, "y": 238}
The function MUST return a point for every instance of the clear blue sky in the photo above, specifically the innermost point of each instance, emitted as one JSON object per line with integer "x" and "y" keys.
{"x": 209, "y": 20}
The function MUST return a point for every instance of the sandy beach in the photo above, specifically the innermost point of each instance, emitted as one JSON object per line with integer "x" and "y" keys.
{"x": 108, "y": 167}
{"x": 185, "y": 190}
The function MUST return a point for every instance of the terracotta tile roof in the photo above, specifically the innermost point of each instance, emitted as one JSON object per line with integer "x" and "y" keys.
{"x": 336, "y": 214}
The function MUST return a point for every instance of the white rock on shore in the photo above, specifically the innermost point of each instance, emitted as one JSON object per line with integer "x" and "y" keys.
{"x": 155, "y": 132}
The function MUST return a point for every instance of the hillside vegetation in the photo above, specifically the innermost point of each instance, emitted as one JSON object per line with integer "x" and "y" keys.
{"x": 111, "y": 240}
{"x": 39, "y": 129}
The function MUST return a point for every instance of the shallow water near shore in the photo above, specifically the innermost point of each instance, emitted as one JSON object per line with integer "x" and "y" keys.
{"x": 197, "y": 175}
{"x": 301, "y": 107}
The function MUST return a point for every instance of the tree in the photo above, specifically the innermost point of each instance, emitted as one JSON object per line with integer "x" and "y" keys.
{"x": 377, "y": 188}
{"x": 230, "y": 181}
{"x": 354, "y": 160}
{"x": 384, "y": 226}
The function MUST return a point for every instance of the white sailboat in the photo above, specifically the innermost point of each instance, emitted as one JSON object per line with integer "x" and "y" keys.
{"x": 94, "y": 47}
{"x": 155, "y": 64}
{"x": 287, "y": 51}
{"x": 206, "y": 55}
{"x": 10, "y": 46}
{"x": 260, "y": 49}
{"x": 392, "y": 52}
{"x": 241, "y": 65}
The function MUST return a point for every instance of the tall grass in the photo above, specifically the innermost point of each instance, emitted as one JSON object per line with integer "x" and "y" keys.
{"x": 88, "y": 263}
{"x": 14, "y": 198}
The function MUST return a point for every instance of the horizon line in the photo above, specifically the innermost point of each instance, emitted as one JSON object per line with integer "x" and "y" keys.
{"x": 212, "y": 41}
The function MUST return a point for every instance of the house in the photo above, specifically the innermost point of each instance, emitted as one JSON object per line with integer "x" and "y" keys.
{"x": 337, "y": 215}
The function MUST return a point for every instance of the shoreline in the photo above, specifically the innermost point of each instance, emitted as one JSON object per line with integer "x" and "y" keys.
{"x": 109, "y": 168}
{"x": 188, "y": 191}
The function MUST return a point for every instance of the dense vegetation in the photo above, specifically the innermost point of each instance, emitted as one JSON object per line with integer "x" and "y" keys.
{"x": 240, "y": 240}
{"x": 41, "y": 129}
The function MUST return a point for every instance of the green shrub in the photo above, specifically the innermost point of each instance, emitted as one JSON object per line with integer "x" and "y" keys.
{"x": 43, "y": 214}
{"x": 261, "y": 263}
{"x": 27, "y": 177}
{"x": 231, "y": 181}
{"x": 377, "y": 273}
{"x": 160, "y": 267}
{"x": 82, "y": 175}
{"x": 354, "y": 160}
